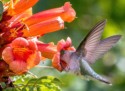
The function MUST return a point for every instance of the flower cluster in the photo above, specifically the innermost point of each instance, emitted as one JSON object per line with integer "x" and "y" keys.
{"x": 20, "y": 48}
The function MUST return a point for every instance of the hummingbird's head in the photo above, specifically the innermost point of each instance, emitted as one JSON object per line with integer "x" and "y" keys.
{"x": 62, "y": 56}
{"x": 64, "y": 59}
{"x": 71, "y": 61}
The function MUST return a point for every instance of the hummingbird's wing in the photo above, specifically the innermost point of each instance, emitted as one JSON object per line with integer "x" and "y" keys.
{"x": 103, "y": 47}
{"x": 89, "y": 44}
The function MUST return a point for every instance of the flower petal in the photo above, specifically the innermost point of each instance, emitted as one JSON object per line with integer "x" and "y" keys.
{"x": 61, "y": 45}
{"x": 66, "y": 12}
{"x": 7, "y": 55}
{"x": 69, "y": 14}
{"x": 20, "y": 17}
{"x": 20, "y": 6}
{"x": 21, "y": 42}
{"x": 47, "y": 50}
{"x": 33, "y": 60}
{"x": 32, "y": 44}
{"x": 44, "y": 27}
{"x": 56, "y": 61}
{"x": 18, "y": 66}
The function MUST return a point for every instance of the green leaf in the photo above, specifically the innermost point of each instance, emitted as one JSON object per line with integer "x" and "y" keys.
{"x": 22, "y": 80}
{"x": 29, "y": 83}
{"x": 11, "y": 89}
{"x": 1, "y": 10}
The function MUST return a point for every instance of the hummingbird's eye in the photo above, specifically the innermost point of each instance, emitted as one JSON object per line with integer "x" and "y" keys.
{"x": 62, "y": 52}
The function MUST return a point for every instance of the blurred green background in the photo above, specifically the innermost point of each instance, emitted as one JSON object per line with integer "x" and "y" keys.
{"x": 90, "y": 12}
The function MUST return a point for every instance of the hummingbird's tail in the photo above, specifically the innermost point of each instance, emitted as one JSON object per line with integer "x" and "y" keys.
{"x": 87, "y": 70}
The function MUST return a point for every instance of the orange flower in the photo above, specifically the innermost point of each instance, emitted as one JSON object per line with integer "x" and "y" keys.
{"x": 18, "y": 24}
{"x": 61, "y": 46}
{"x": 21, "y": 55}
{"x": 47, "y": 50}
{"x": 19, "y": 6}
{"x": 44, "y": 27}
{"x": 18, "y": 20}
{"x": 49, "y": 20}
{"x": 19, "y": 17}
{"x": 66, "y": 12}
{"x": 53, "y": 52}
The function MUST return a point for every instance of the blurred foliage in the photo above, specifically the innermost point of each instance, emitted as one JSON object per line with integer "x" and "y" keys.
{"x": 89, "y": 12}
{"x": 29, "y": 83}
{"x": 1, "y": 10}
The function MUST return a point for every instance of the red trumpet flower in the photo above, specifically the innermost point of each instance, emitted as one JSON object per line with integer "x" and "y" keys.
{"x": 18, "y": 31}
{"x": 62, "y": 46}
{"x": 21, "y": 55}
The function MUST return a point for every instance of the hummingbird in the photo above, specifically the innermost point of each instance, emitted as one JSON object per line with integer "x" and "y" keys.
{"x": 90, "y": 49}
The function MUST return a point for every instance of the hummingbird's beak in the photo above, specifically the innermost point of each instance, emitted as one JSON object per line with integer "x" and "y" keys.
{"x": 87, "y": 70}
